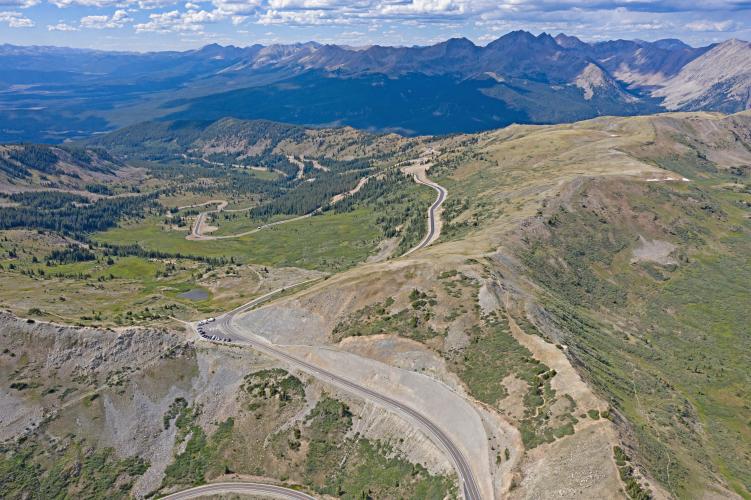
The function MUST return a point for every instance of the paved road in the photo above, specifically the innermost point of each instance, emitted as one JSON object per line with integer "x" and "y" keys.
{"x": 196, "y": 231}
{"x": 224, "y": 327}
{"x": 432, "y": 233}
{"x": 198, "y": 224}
{"x": 246, "y": 488}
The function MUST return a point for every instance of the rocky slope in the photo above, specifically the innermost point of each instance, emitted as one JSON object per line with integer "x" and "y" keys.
{"x": 95, "y": 413}
{"x": 719, "y": 79}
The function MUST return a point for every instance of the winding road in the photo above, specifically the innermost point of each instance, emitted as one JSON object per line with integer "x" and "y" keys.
{"x": 240, "y": 487}
{"x": 196, "y": 232}
{"x": 434, "y": 230}
{"x": 225, "y": 327}
{"x": 417, "y": 170}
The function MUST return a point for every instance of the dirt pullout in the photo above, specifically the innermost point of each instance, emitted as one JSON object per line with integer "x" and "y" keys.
{"x": 402, "y": 353}
{"x": 308, "y": 318}
{"x": 287, "y": 324}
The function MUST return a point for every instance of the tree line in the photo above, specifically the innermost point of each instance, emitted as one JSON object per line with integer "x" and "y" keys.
{"x": 308, "y": 196}
{"x": 64, "y": 216}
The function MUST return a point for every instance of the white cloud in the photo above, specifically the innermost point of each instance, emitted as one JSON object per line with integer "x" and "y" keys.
{"x": 119, "y": 19}
{"x": 15, "y": 20}
{"x": 159, "y": 22}
{"x": 194, "y": 18}
{"x": 61, "y": 27}
{"x": 23, "y": 4}
{"x": 409, "y": 21}
{"x": 155, "y": 4}
{"x": 142, "y": 4}
{"x": 294, "y": 4}
{"x": 712, "y": 26}
{"x": 424, "y": 7}
{"x": 239, "y": 7}
{"x": 84, "y": 3}
{"x": 363, "y": 12}
{"x": 176, "y": 21}
{"x": 299, "y": 17}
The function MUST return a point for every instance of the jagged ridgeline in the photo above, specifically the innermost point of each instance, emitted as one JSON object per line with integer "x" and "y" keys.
{"x": 453, "y": 86}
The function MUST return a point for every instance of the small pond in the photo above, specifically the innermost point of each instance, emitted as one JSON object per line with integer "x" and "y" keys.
{"x": 195, "y": 294}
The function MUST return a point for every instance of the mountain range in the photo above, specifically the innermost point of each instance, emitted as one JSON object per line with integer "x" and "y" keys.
{"x": 52, "y": 94}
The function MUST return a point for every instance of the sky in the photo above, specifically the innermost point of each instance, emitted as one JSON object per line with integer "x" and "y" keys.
{"x": 150, "y": 25}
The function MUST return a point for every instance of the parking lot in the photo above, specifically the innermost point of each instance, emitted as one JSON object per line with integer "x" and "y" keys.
{"x": 205, "y": 330}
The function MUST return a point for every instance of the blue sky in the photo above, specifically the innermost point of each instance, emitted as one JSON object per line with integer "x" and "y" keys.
{"x": 165, "y": 24}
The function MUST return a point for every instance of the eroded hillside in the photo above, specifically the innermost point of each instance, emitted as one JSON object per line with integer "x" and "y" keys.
{"x": 99, "y": 413}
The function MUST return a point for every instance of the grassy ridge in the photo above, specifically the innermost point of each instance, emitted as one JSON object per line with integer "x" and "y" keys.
{"x": 667, "y": 342}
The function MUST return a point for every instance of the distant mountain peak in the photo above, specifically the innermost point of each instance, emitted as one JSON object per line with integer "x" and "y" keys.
{"x": 595, "y": 82}
{"x": 719, "y": 79}
{"x": 521, "y": 38}
{"x": 518, "y": 34}
{"x": 460, "y": 42}
{"x": 569, "y": 42}
{"x": 734, "y": 42}
{"x": 670, "y": 44}
{"x": 545, "y": 37}
{"x": 513, "y": 37}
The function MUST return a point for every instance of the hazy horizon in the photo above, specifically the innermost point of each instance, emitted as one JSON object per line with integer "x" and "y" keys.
{"x": 352, "y": 46}
{"x": 153, "y": 25}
